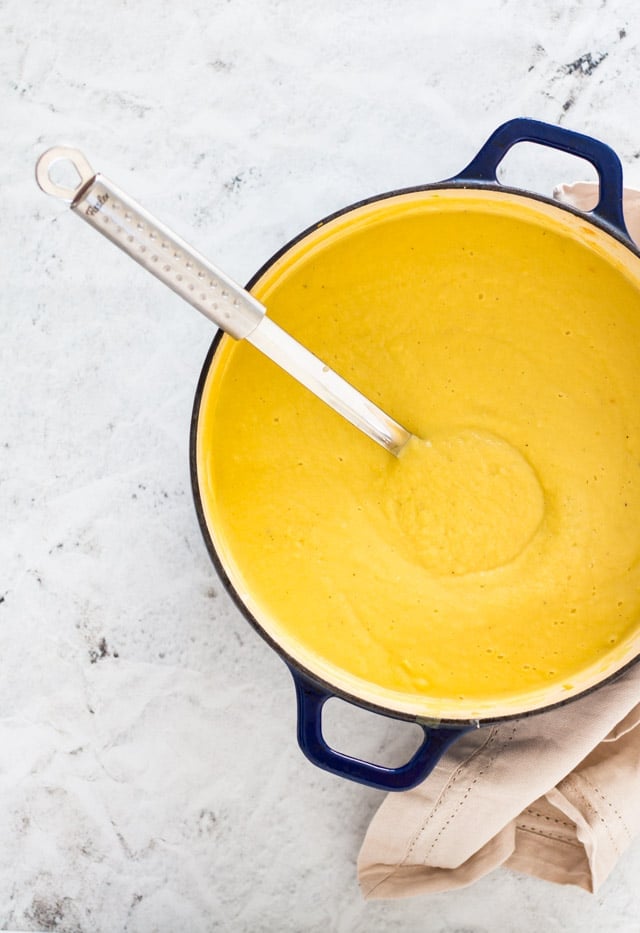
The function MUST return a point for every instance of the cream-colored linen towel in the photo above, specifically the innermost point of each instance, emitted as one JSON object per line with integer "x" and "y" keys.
{"x": 555, "y": 795}
{"x": 584, "y": 195}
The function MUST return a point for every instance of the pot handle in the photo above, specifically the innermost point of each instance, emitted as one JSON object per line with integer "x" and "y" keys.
{"x": 311, "y": 698}
{"x": 484, "y": 166}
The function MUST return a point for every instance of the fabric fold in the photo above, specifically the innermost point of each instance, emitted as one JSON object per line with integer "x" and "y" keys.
{"x": 552, "y": 795}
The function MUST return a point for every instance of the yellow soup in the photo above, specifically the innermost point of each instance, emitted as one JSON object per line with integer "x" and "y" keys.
{"x": 494, "y": 566}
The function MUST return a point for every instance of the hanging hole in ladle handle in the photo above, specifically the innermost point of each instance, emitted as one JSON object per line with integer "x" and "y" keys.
{"x": 76, "y": 161}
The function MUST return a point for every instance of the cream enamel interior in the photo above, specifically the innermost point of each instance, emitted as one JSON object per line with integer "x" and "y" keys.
{"x": 525, "y": 319}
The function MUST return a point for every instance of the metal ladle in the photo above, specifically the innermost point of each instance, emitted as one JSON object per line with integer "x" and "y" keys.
{"x": 113, "y": 213}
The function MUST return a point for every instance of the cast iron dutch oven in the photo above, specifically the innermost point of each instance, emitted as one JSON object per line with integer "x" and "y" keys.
{"x": 606, "y": 222}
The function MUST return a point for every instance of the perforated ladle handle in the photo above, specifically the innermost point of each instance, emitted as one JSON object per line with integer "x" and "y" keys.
{"x": 103, "y": 205}
{"x": 113, "y": 213}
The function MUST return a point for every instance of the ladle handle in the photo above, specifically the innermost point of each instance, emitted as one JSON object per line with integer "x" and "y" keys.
{"x": 113, "y": 213}
{"x": 311, "y": 699}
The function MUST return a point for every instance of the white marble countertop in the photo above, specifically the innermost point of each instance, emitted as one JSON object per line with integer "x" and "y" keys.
{"x": 149, "y": 774}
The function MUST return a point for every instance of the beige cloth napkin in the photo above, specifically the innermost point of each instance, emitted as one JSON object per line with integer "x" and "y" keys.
{"x": 555, "y": 795}
{"x": 584, "y": 195}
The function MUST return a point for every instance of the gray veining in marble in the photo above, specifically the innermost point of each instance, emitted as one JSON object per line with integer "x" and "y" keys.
{"x": 149, "y": 776}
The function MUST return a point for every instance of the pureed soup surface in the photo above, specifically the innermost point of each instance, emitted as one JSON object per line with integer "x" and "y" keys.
{"x": 496, "y": 560}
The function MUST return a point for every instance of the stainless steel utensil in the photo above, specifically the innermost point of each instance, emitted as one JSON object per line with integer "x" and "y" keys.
{"x": 113, "y": 213}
